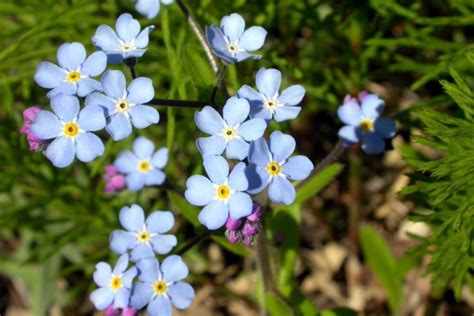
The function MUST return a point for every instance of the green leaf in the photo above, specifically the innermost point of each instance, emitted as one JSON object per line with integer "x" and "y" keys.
{"x": 238, "y": 249}
{"x": 181, "y": 206}
{"x": 317, "y": 182}
{"x": 277, "y": 306}
{"x": 338, "y": 312}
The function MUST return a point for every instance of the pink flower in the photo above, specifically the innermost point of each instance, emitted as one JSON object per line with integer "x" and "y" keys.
{"x": 35, "y": 144}
{"x": 115, "y": 181}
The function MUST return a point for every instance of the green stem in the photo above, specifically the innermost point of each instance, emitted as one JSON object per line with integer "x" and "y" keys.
{"x": 193, "y": 242}
{"x": 219, "y": 81}
{"x": 178, "y": 103}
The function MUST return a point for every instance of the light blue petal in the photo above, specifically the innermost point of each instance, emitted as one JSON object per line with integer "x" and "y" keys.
{"x": 240, "y": 205}
{"x": 372, "y": 143}
{"x": 252, "y": 129}
{"x": 46, "y": 125}
{"x": 174, "y": 269}
{"x": 86, "y": 86}
{"x": 167, "y": 1}
{"x": 199, "y": 190}
{"x": 49, "y": 75}
{"x": 181, "y": 295}
{"x": 261, "y": 113}
{"x": 286, "y": 113}
{"x": 91, "y": 118}
{"x": 237, "y": 149}
{"x": 281, "y": 191}
{"x": 348, "y": 135}
{"x": 281, "y": 146}
{"x": 236, "y": 110}
{"x": 149, "y": 270}
{"x": 160, "y": 221}
{"x": 106, "y": 39}
{"x": 155, "y": 177}
{"x": 250, "y": 94}
{"x": 122, "y": 298}
{"x": 372, "y": 106}
{"x": 385, "y": 127}
{"x": 126, "y": 162}
{"x": 95, "y": 64}
{"x": 162, "y": 244}
{"x": 160, "y": 158}
{"x": 61, "y": 152}
{"x": 140, "y": 90}
{"x": 216, "y": 168}
{"x": 237, "y": 178}
{"x": 298, "y": 168}
{"x": 102, "y": 100}
{"x": 241, "y": 56}
{"x": 148, "y": 8}
{"x": 65, "y": 88}
{"x": 71, "y": 56}
{"x": 143, "y": 116}
{"x": 137, "y": 52}
{"x": 102, "y": 274}
{"x": 66, "y": 107}
{"x": 268, "y": 82}
{"x": 119, "y": 127}
{"x": 143, "y": 147}
{"x": 233, "y": 26}
{"x": 209, "y": 120}
{"x": 212, "y": 145}
{"x": 114, "y": 84}
{"x": 259, "y": 152}
{"x": 121, "y": 241}
{"x": 142, "y": 39}
{"x": 141, "y": 251}
{"x": 121, "y": 265}
{"x": 88, "y": 147}
{"x": 350, "y": 113}
{"x": 128, "y": 276}
{"x": 216, "y": 38}
{"x": 141, "y": 295}
{"x": 127, "y": 27}
{"x": 253, "y": 38}
{"x": 214, "y": 215}
{"x": 292, "y": 95}
{"x": 132, "y": 218}
{"x": 258, "y": 178}
{"x": 135, "y": 181}
{"x": 102, "y": 298}
{"x": 160, "y": 306}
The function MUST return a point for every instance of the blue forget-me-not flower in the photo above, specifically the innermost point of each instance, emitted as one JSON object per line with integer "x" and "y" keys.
{"x": 143, "y": 237}
{"x": 160, "y": 286}
{"x": 232, "y": 42}
{"x": 150, "y": 8}
{"x": 365, "y": 125}
{"x": 222, "y": 194}
{"x": 267, "y": 102}
{"x": 230, "y": 133}
{"x": 114, "y": 285}
{"x": 70, "y": 131}
{"x": 74, "y": 73}
{"x": 125, "y": 106}
{"x": 143, "y": 166}
{"x": 271, "y": 164}
{"x": 125, "y": 42}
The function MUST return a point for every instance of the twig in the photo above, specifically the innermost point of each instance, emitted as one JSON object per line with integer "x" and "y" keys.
{"x": 218, "y": 84}
{"x": 178, "y": 103}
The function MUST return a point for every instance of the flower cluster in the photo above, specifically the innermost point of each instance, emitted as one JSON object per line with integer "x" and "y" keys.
{"x": 149, "y": 283}
{"x": 246, "y": 229}
{"x": 115, "y": 181}
{"x": 34, "y": 142}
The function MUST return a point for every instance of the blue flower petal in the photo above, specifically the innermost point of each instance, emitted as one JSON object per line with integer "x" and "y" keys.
{"x": 102, "y": 274}
{"x": 127, "y": 27}
{"x": 212, "y": 145}
{"x": 372, "y": 143}
{"x": 385, "y": 127}
{"x": 65, "y": 88}
{"x": 258, "y": 178}
{"x": 298, "y": 168}
{"x": 102, "y": 100}
{"x": 237, "y": 149}
{"x": 86, "y": 86}
{"x": 141, "y": 251}
{"x": 214, "y": 215}
{"x": 88, "y": 147}
{"x": 181, "y": 294}
{"x": 122, "y": 297}
{"x": 160, "y": 221}
{"x": 155, "y": 177}
{"x": 253, "y": 38}
{"x": 350, "y": 113}
{"x": 162, "y": 244}
{"x": 106, "y": 39}
{"x": 126, "y": 162}
{"x": 199, "y": 190}
{"x": 216, "y": 38}
{"x": 140, "y": 90}
{"x": 71, "y": 56}
{"x": 236, "y": 110}
{"x": 173, "y": 269}
{"x": 66, "y": 107}
{"x": 281, "y": 191}
{"x": 286, "y": 113}
{"x": 61, "y": 152}
{"x": 233, "y": 26}
{"x": 132, "y": 218}
{"x": 241, "y": 56}
{"x": 142, "y": 39}
{"x": 160, "y": 158}
{"x": 119, "y": 127}
{"x": 261, "y": 112}
{"x": 95, "y": 64}
{"x": 372, "y": 106}
{"x": 46, "y": 125}
{"x": 114, "y": 84}
{"x": 143, "y": 116}
{"x": 209, "y": 121}
{"x": 141, "y": 295}
{"x": 148, "y": 8}
{"x": 143, "y": 147}
{"x": 259, "y": 152}
{"x": 135, "y": 181}
{"x": 128, "y": 276}
{"x": 149, "y": 270}
{"x": 252, "y": 129}
{"x": 216, "y": 168}
{"x": 49, "y": 75}
{"x": 121, "y": 241}
{"x": 281, "y": 145}
{"x": 121, "y": 265}
{"x": 102, "y": 298}
{"x": 348, "y": 135}
{"x": 268, "y": 82}
{"x": 160, "y": 306}
{"x": 292, "y": 95}
{"x": 240, "y": 205}
{"x": 91, "y": 118}
{"x": 237, "y": 178}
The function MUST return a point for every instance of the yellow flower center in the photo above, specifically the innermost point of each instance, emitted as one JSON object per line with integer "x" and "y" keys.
{"x": 367, "y": 125}
{"x": 270, "y": 104}
{"x": 116, "y": 283}
{"x": 73, "y": 76}
{"x": 143, "y": 236}
{"x": 122, "y": 105}
{"x": 233, "y": 48}
{"x": 273, "y": 168}
{"x": 126, "y": 47}
{"x": 159, "y": 287}
{"x": 223, "y": 192}
{"x": 144, "y": 166}
{"x": 229, "y": 133}
{"x": 71, "y": 129}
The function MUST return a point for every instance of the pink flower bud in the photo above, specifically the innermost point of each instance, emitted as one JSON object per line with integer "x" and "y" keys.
{"x": 250, "y": 229}
{"x": 233, "y": 224}
{"x": 256, "y": 213}
{"x": 233, "y": 236}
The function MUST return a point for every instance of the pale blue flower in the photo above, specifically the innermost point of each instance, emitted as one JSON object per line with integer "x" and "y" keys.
{"x": 160, "y": 287}
{"x": 231, "y": 133}
{"x": 365, "y": 125}
{"x": 267, "y": 102}
{"x": 142, "y": 237}
{"x": 232, "y": 42}
{"x": 124, "y": 106}
{"x": 74, "y": 73}
{"x": 114, "y": 285}
{"x": 150, "y": 8}
{"x": 271, "y": 165}
{"x": 69, "y": 131}
{"x": 143, "y": 166}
